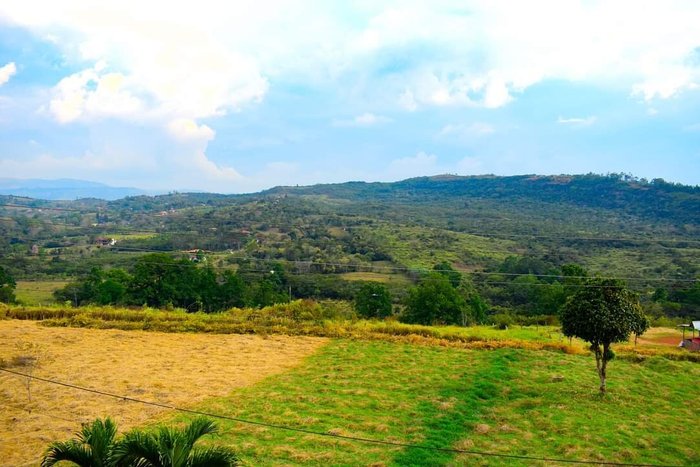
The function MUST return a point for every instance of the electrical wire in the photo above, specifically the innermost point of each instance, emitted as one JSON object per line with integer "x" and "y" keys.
{"x": 326, "y": 434}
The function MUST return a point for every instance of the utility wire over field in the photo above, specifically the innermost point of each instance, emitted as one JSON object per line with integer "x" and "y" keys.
{"x": 326, "y": 434}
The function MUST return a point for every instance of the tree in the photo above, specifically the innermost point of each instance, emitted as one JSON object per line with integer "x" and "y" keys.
{"x": 373, "y": 300}
{"x": 641, "y": 325}
{"x": 478, "y": 307}
{"x": 168, "y": 447}
{"x": 231, "y": 292}
{"x": 160, "y": 280}
{"x": 444, "y": 268}
{"x": 434, "y": 301}
{"x": 91, "y": 448}
{"x": 601, "y": 312}
{"x": 7, "y": 287}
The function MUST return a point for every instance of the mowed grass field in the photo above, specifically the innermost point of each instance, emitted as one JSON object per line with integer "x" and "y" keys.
{"x": 177, "y": 369}
{"x": 505, "y": 401}
{"x": 37, "y": 292}
{"x": 509, "y": 401}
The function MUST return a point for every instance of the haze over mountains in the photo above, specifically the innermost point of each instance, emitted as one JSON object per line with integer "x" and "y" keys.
{"x": 64, "y": 189}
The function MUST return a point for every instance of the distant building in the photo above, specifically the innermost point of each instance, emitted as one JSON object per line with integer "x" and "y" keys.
{"x": 103, "y": 241}
{"x": 35, "y": 249}
{"x": 694, "y": 342}
{"x": 196, "y": 255}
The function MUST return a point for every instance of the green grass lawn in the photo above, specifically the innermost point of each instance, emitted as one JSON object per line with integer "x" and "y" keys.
{"x": 508, "y": 401}
{"x": 37, "y": 292}
{"x": 377, "y": 277}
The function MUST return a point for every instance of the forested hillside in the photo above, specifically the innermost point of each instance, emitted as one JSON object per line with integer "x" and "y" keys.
{"x": 513, "y": 240}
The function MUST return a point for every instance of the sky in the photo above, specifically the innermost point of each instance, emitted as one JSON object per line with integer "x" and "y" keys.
{"x": 242, "y": 96}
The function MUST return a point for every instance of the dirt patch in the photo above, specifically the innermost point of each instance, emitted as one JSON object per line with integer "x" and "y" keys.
{"x": 661, "y": 336}
{"x": 176, "y": 369}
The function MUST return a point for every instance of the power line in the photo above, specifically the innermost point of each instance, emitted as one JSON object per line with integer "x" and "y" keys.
{"x": 326, "y": 434}
{"x": 370, "y": 269}
{"x": 302, "y": 263}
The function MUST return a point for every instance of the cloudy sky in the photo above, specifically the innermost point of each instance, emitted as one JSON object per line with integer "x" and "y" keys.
{"x": 242, "y": 97}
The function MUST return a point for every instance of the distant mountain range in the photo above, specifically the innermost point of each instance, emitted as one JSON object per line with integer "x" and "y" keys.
{"x": 64, "y": 189}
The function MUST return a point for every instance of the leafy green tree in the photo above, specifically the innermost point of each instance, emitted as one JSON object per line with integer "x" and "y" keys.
{"x": 641, "y": 325}
{"x": 445, "y": 269}
{"x": 574, "y": 274}
{"x": 160, "y": 280}
{"x": 71, "y": 292}
{"x": 231, "y": 291}
{"x": 265, "y": 293}
{"x": 7, "y": 287}
{"x": 478, "y": 307}
{"x": 434, "y": 301}
{"x": 91, "y": 448}
{"x": 373, "y": 300}
{"x": 105, "y": 287}
{"x": 601, "y": 313}
{"x": 168, "y": 447}
{"x": 270, "y": 289}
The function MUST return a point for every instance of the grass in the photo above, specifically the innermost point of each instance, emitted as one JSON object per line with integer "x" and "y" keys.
{"x": 376, "y": 277}
{"x": 168, "y": 368}
{"x": 508, "y": 401}
{"x": 327, "y": 319}
{"x": 37, "y": 292}
{"x": 449, "y": 391}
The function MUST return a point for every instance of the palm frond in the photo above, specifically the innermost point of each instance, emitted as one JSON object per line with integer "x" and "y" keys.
{"x": 138, "y": 449}
{"x": 197, "y": 428}
{"x": 218, "y": 456}
{"x": 99, "y": 435}
{"x": 72, "y": 451}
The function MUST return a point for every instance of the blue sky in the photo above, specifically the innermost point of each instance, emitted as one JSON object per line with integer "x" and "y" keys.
{"x": 257, "y": 94}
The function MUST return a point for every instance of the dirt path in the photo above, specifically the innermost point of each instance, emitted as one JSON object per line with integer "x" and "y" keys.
{"x": 177, "y": 369}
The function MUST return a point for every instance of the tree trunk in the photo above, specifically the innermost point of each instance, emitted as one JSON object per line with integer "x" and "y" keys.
{"x": 602, "y": 371}
{"x": 600, "y": 364}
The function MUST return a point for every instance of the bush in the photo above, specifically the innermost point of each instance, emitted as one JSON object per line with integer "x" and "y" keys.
{"x": 503, "y": 320}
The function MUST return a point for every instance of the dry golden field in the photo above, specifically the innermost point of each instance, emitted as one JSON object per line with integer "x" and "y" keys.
{"x": 176, "y": 369}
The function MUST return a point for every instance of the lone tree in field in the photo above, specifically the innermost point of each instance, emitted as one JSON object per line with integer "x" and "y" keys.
{"x": 602, "y": 312}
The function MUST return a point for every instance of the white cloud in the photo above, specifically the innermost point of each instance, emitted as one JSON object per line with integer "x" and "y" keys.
{"x": 364, "y": 120}
{"x": 185, "y": 129}
{"x": 419, "y": 165}
{"x": 169, "y": 68}
{"x": 407, "y": 101}
{"x": 466, "y": 132}
{"x": 469, "y": 166}
{"x": 577, "y": 121}
{"x": 6, "y": 72}
{"x": 204, "y": 61}
{"x": 91, "y": 93}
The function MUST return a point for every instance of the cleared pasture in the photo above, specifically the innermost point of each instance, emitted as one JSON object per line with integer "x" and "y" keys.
{"x": 37, "y": 292}
{"x": 178, "y": 369}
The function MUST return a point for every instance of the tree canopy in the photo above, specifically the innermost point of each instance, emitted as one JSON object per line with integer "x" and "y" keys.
{"x": 373, "y": 300}
{"x": 434, "y": 301}
{"x": 7, "y": 287}
{"x": 602, "y": 312}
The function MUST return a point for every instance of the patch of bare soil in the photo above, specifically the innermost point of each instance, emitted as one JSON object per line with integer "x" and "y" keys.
{"x": 174, "y": 369}
{"x": 661, "y": 336}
